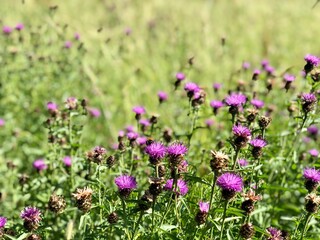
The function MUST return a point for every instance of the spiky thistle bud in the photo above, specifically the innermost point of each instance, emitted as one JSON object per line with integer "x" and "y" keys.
{"x": 219, "y": 161}
{"x": 247, "y": 231}
{"x": 83, "y": 198}
{"x": 113, "y": 218}
{"x": 56, "y": 203}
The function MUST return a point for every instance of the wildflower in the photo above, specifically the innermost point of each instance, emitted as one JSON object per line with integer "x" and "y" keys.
{"x": 257, "y": 103}
{"x": 94, "y": 112}
{"x": 76, "y": 36}
{"x": 313, "y": 152}
{"x": 219, "y": 161}
{"x": 249, "y": 200}
{"x": 242, "y": 135}
{"x": 31, "y": 217}
{"x": 40, "y": 165}
{"x": 209, "y": 123}
{"x": 67, "y": 161}
{"x": 243, "y": 162}
{"x": 71, "y": 103}
{"x": 230, "y": 183}
{"x": 313, "y": 131}
{"x": 179, "y": 78}
{"x": 97, "y": 154}
{"x": 163, "y": 96}
{"x": 312, "y": 202}
{"x": 191, "y": 88}
{"x": 138, "y": 110}
{"x": 288, "y": 79}
{"x": 264, "y": 63}
{"x": 202, "y": 213}
{"x": 198, "y": 98}
{"x": 83, "y": 198}
{"x": 257, "y": 145}
{"x": 145, "y": 123}
{"x": 264, "y": 122}
{"x": 176, "y": 151}
{"x": 2, "y": 122}
{"x": 6, "y": 30}
{"x": 52, "y": 108}
{"x": 180, "y": 189}
{"x": 68, "y": 44}
{"x": 308, "y": 101}
{"x": 3, "y": 222}
{"x": 216, "y": 86}
{"x": 156, "y": 152}
{"x": 215, "y": 104}
{"x": 256, "y": 74}
{"x": 311, "y": 62}
{"x": 270, "y": 70}
{"x": 312, "y": 178}
{"x": 113, "y": 218}
{"x": 235, "y": 101}
{"x": 19, "y": 27}
{"x": 56, "y": 203}
{"x": 125, "y": 185}
{"x": 245, "y": 65}
{"x": 142, "y": 140}
{"x": 129, "y": 128}
{"x": 247, "y": 231}
{"x": 182, "y": 167}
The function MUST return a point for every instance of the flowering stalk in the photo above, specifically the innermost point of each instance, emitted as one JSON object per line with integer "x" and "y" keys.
{"x": 237, "y": 151}
{"x": 212, "y": 189}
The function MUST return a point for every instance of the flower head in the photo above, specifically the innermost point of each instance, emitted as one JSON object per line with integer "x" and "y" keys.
{"x": 308, "y": 97}
{"x": 275, "y": 233}
{"x": 52, "y": 107}
{"x": 182, "y": 187}
{"x": 180, "y": 76}
{"x": 257, "y": 103}
{"x": 176, "y": 149}
{"x": 209, "y": 122}
{"x": 241, "y": 131}
{"x": 76, "y": 36}
{"x": 145, "y": 122}
{"x": 163, "y": 96}
{"x": 245, "y": 65}
{"x": 141, "y": 140}
{"x": 94, "y": 112}
{"x": 83, "y": 198}
{"x": 264, "y": 63}
{"x": 132, "y": 136}
{"x": 139, "y": 110}
{"x": 2, "y": 122}
{"x": 313, "y": 152}
{"x": 236, "y": 100}
{"x": 243, "y": 162}
{"x": 40, "y": 165}
{"x": 230, "y": 181}
{"x": 269, "y": 69}
{"x": 216, "y": 104}
{"x": 311, "y": 174}
{"x": 289, "y": 78}
{"x": 156, "y": 150}
{"x": 191, "y": 87}
{"x": 3, "y": 221}
{"x": 258, "y": 143}
{"x": 312, "y": 60}
{"x": 125, "y": 182}
{"x": 31, "y": 214}
{"x": 313, "y": 130}
{"x": 6, "y": 30}
{"x": 204, "y": 207}
{"x": 68, "y": 44}
{"x": 67, "y": 161}
{"x": 216, "y": 86}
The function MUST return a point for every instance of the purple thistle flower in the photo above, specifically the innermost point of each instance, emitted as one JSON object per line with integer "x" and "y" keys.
{"x": 130, "y": 128}
{"x": 313, "y": 152}
{"x": 289, "y": 77}
{"x": 156, "y": 150}
{"x": 40, "y": 165}
{"x": 209, "y": 122}
{"x": 141, "y": 140}
{"x": 182, "y": 187}
{"x": 94, "y": 112}
{"x": 308, "y": 98}
{"x": 241, "y": 131}
{"x": 246, "y": 65}
{"x": 204, "y": 207}
{"x": 52, "y": 107}
{"x": 258, "y": 143}
{"x": 256, "y": 74}
{"x": 180, "y": 76}
{"x": 6, "y": 30}
{"x": 269, "y": 69}
{"x": 312, "y": 60}
{"x": 139, "y": 110}
{"x": 67, "y": 161}
{"x": 243, "y": 162}
{"x": 275, "y": 233}
{"x": 3, "y": 221}
{"x": 76, "y": 36}
{"x": 236, "y": 100}
{"x": 121, "y": 134}
{"x": 257, "y": 103}
{"x": 216, "y": 86}
{"x": 128, "y": 31}
{"x": 191, "y": 88}
{"x": 145, "y": 122}
{"x": 216, "y": 104}
{"x": 2, "y": 122}
{"x": 311, "y": 174}
{"x": 230, "y": 181}
{"x": 68, "y": 44}
{"x": 163, "y": 96}
{"x": 313, "y": 130}
{"x": 31, "y": 214}
{"x": 125, "y": 182}
{"x": 264, "y": 63}
{"x": 19, "y": 27}
{"x": 176, "y": 149}
{"x": 132, "y": 136}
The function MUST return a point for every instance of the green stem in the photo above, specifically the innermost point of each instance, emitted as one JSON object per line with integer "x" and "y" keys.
{"x": 235, "y": 158}
{"x": 212, "y": 190}
{"x": 223, "y": 219}
{"x": 308, "y": 217}
{"x": 137, "y": 225}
